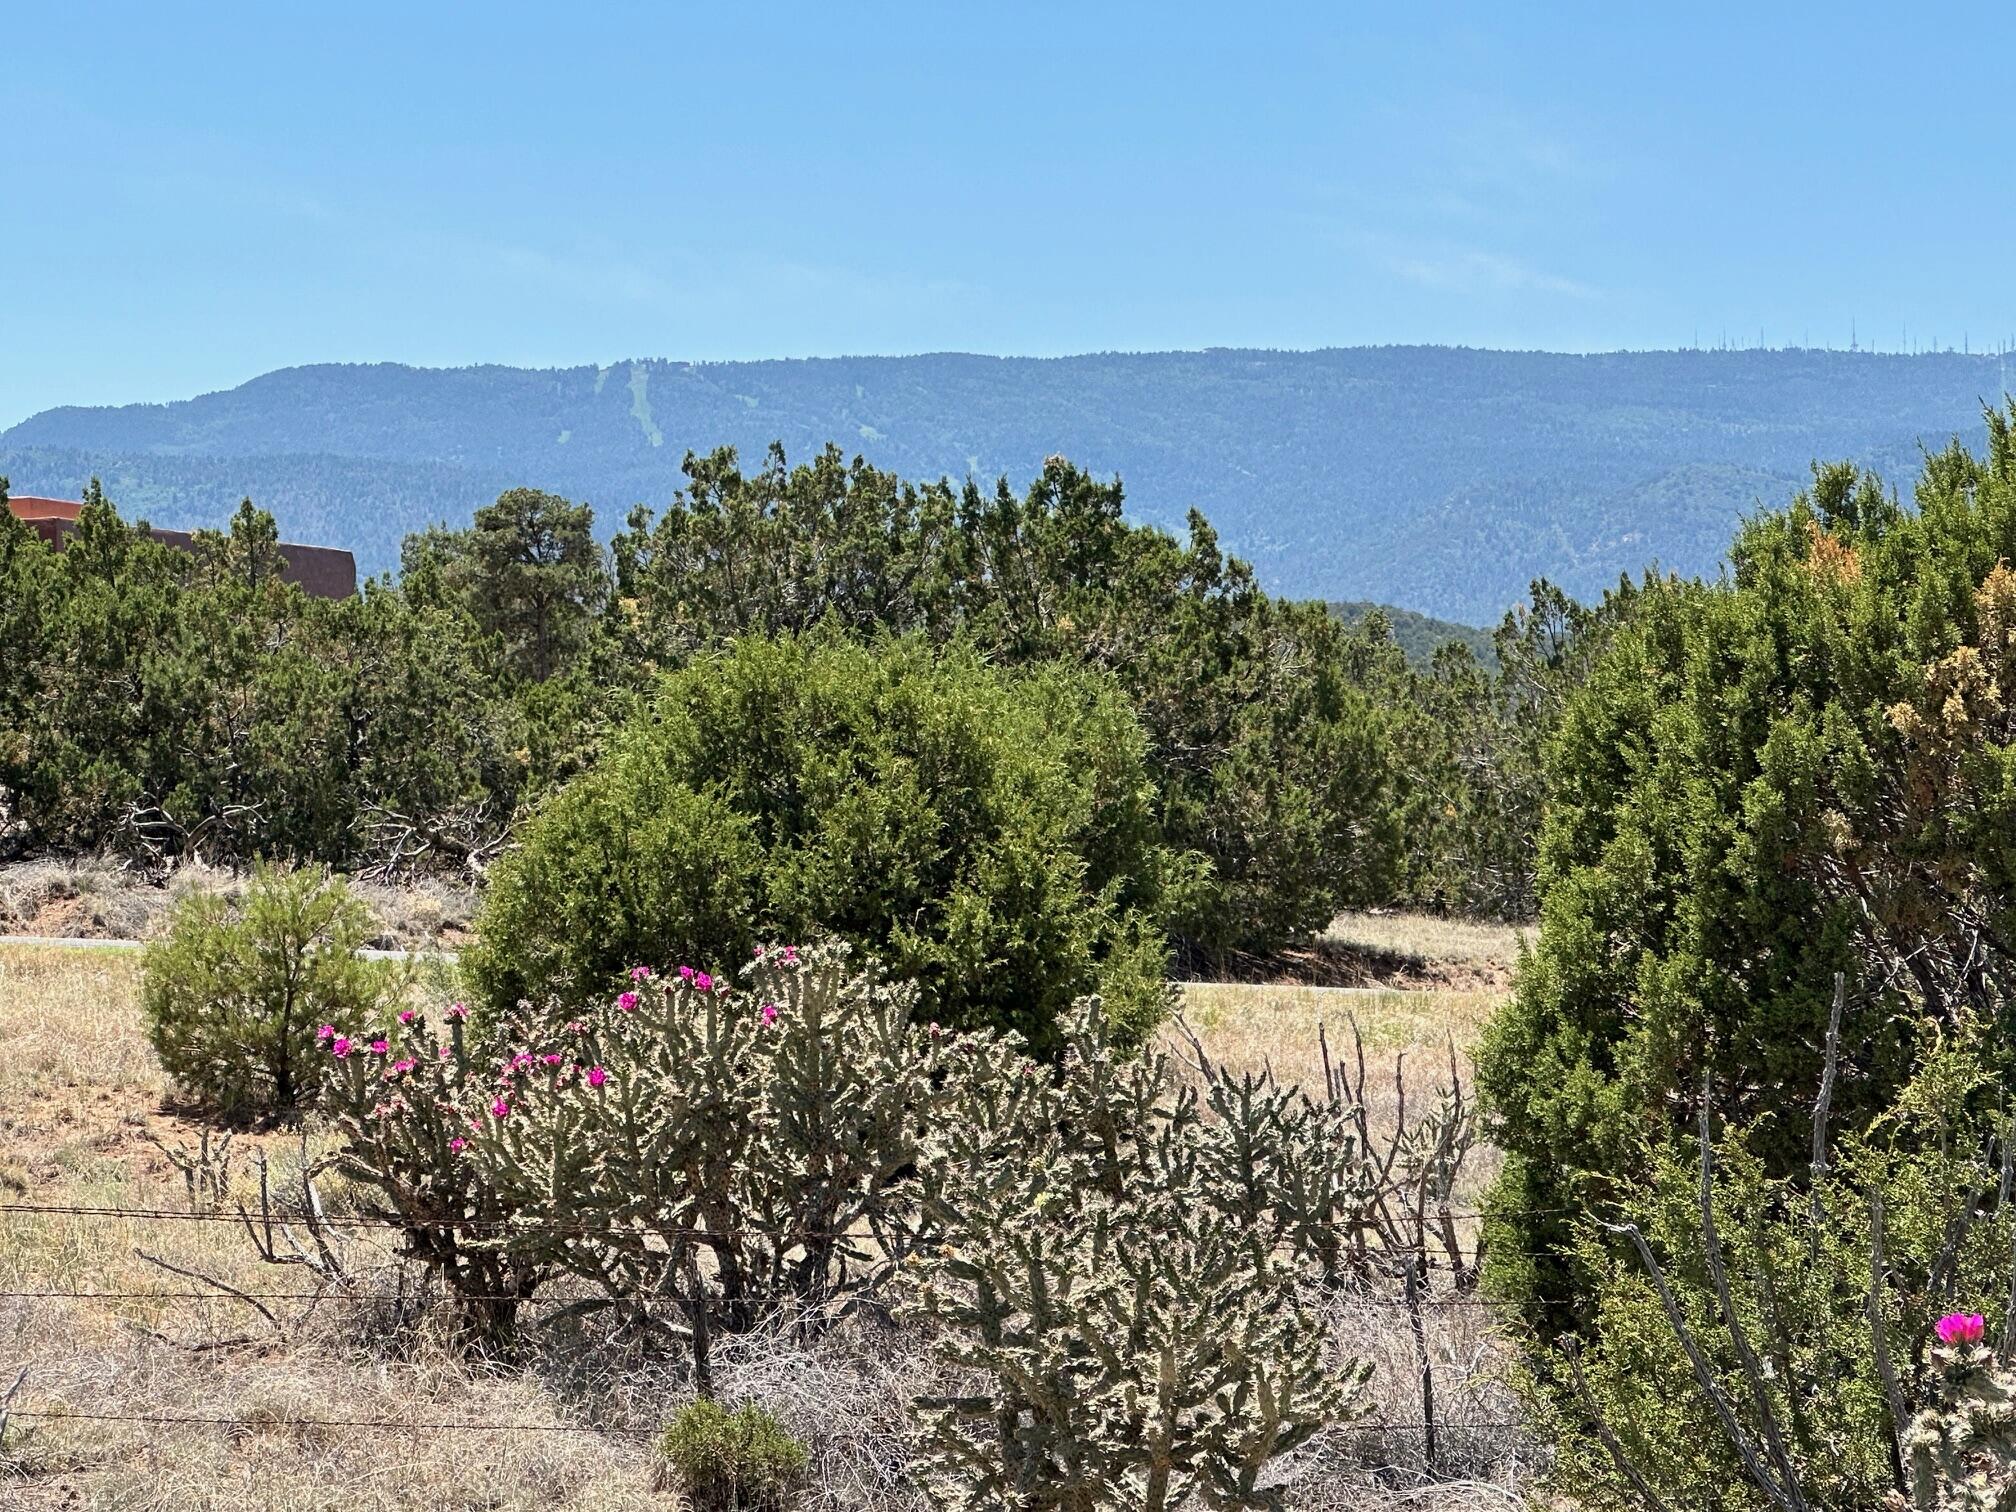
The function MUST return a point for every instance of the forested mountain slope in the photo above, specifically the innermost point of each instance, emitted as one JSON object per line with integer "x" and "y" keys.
{"x": 1436, "y": 478}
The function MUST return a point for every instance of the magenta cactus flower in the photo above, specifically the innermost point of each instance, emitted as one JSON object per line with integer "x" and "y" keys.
{"x": 407, "y": 1015}
{"x": 458, "y": 1144}
{"x": 457, "y": 1011}
{"x": 769, "y": 1013}
{"x": 380, "y": 1047}
{"x": 327, "y": 1031}
{"x": 549, "y": 1060}
{"x": 340, "y": 1047}
{"x": 1960, "y": 1328}
{"x": 597, "y": 1076}
{"x": 641, "y": 973}
{"x": 627, "y": 1001}
{"x": 703, "y": 982}
{"x": 500, "y": 1109}
{"x": 685, "y": 973}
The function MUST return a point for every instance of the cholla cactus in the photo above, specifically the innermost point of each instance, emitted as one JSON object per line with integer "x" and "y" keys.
{"x": 1118, "y": 1258}
{"x": 1137, "y": 1341}
{"x": 411, "y": 1110}
{"x": 1311, "y": 1174}
{"x": 1962, "y": 1450}
{"x": 698, "y": 1153}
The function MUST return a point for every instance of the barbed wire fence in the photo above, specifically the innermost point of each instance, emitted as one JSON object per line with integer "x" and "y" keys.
{"x": 1416, "y": 1303}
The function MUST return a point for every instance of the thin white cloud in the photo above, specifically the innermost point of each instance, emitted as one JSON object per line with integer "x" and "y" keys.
{"x": 1499, "y": 149}
{"x": 1474, "y": 271}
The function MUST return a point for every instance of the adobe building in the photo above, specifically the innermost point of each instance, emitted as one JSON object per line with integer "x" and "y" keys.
{"x": 319, "y": 571}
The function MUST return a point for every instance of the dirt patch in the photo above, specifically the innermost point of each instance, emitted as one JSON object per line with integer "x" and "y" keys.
{"x": 69, "y": 918}
{"x": 1335, "y": 963}
{"x": 96, "y": 899}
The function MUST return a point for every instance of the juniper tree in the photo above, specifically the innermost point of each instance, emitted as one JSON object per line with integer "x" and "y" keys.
{"x": 1799, "y": 770}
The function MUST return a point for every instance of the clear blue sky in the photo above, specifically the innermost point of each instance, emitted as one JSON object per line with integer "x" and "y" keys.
{"x": 197, "y": 194}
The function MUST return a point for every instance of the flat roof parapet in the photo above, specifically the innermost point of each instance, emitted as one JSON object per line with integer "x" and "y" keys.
{"x": 318, "y": 571}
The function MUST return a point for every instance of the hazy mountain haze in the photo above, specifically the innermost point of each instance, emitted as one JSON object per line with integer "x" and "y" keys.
{"x": 1439, "y": 479}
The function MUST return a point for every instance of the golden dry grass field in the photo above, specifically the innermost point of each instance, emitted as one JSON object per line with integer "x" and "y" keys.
{"x": 81, "y": 1104}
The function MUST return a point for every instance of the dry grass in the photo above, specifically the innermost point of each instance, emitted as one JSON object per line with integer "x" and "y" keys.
{"x": 1424, "y": 938}
{"x": 1382, "y": 950}
{"x": 1256, "y": 1024}
{"x": 1410, "y": 1040}
{"x": 102, "y": 899}
{"x": 1415, "y": 1040}
{"x": 79, "y": 1095}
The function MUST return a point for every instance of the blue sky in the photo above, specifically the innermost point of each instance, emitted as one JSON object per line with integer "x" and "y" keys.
{"x": 195, "y": 195}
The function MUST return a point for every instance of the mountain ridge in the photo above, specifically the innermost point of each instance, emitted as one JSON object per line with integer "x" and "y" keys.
{"x": 1438, "y": 478}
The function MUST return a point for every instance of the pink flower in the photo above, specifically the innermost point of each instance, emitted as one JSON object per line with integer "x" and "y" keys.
{"x": 500, "y": 1109}
{"x": 769, "y": 1013}
{"x": 685, "y": 973}
{"x": 1960, "y": 1328}
{"x": 640, "y": 973}
{"x": 399, "y": 1066}
{"x": 457, "y": 1011}
{"x": 597, "y": 1076}
{"x": 442, "y": 1053}
{"x": 458, "y": 1144}
{"x": 627, "y": 1001}
{"x": 325, "y": 1032}
{"x": 791, "y": 955}
{"x": 575, "y": 1026}
{"x": 407, "y": 1015}
{"x": 380, "y": 1047}
{"x": 703, "y": 981}
{"x": 341, "y": 1047}
{"x": 549, "y": 1060}
{"x": 759, "y": 952}
{"x": 521, "y": 1060}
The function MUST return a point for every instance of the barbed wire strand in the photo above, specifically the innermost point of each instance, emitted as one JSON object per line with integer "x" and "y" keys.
{"x": 419, "y": 1295}
{"x": 365, "y": 1220}
{"x": 191, "y": 1420}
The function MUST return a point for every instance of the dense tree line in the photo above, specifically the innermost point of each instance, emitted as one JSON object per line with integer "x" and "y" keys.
{"x": 1438, "y": 478}
{"x": 167, "y": 703}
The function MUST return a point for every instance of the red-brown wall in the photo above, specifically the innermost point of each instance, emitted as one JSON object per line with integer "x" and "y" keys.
{"x": 320, "y": 571}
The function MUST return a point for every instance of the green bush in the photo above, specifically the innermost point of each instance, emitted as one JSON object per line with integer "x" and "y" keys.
{"x": 740, "y": 1461}
{"x": 1271, "y": 737}
{"x": 1809, "y": 767}
{"x": 1833, "y": 1296}
{"x": 988, "y": 835}
{"x": 235, "y": 992}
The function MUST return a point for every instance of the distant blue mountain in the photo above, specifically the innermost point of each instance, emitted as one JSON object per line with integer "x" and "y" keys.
{"x": 1441, "y": 479}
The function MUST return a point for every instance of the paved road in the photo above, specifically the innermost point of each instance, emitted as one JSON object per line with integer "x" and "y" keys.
{"x": 77, "y": 942}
